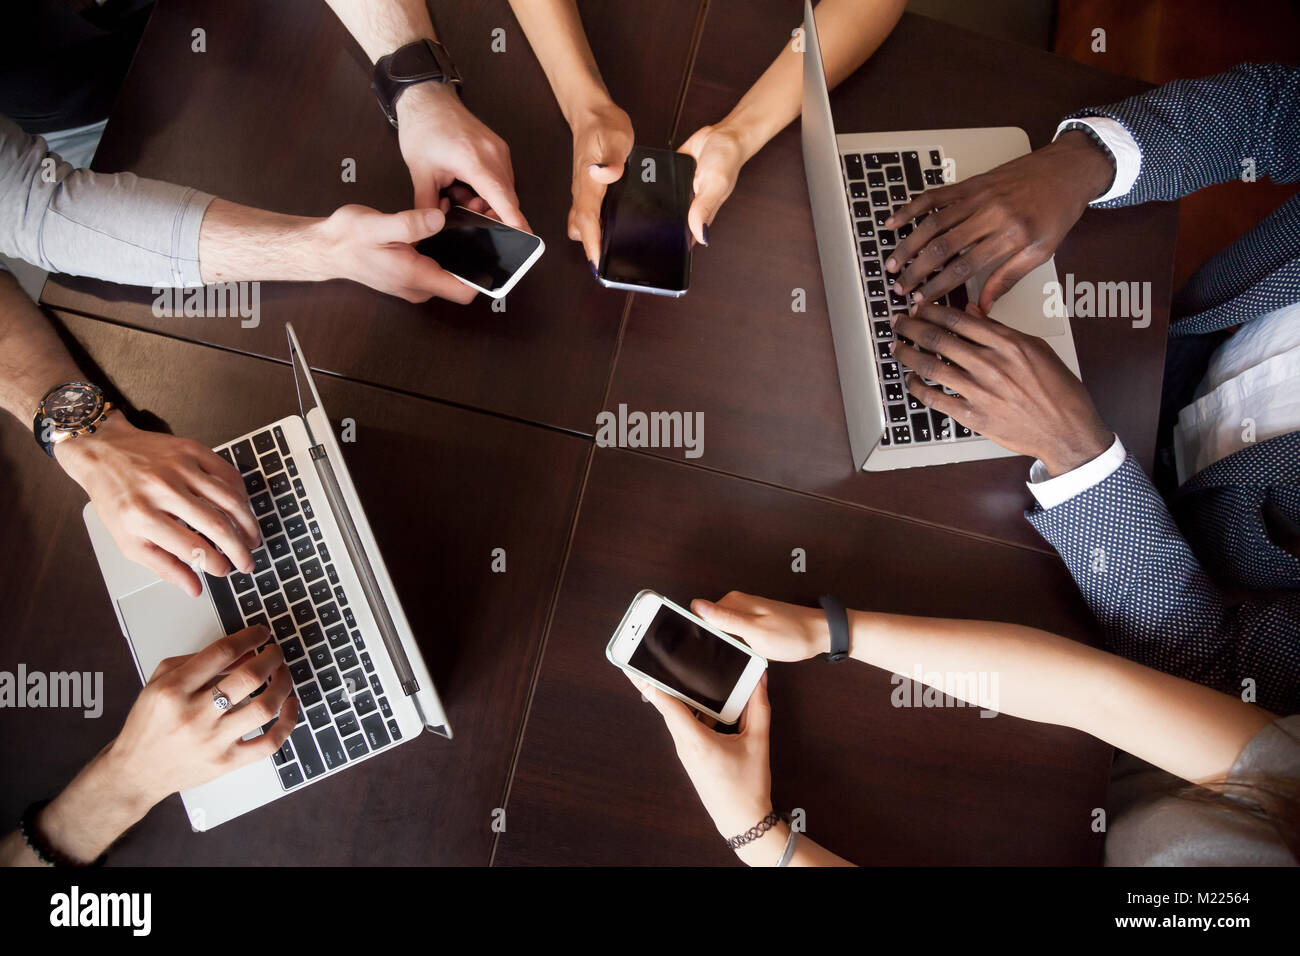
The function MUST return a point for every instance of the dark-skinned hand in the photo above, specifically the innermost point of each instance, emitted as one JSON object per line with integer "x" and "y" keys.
{"x": 1009, "y": 220}
{"x": 1011, "y": 387}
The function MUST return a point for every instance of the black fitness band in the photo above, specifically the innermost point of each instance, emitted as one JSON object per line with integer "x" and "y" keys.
{"x": 838, "y": 619}
{"x": 40, "y": 846}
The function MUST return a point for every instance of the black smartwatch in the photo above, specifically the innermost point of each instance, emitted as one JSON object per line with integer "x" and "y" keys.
{"x": 69, "y": 410}
{"x": 424, "y": 61}
{"x": 838, "y": 619}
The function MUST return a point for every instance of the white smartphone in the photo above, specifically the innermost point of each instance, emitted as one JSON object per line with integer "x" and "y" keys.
{"x": 486, "y": 255}
{"x": 682, "y": 655}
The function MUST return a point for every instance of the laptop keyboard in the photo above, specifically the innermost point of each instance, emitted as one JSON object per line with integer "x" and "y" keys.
{"x": 878, "y": 184}
{"x": 294, "y": 590}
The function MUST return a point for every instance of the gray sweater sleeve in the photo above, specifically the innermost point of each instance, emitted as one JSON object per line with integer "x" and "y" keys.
{"x": 116, "y": 227}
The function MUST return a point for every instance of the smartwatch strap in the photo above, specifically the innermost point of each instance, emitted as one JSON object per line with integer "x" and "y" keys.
{"x": 838, "y": 619}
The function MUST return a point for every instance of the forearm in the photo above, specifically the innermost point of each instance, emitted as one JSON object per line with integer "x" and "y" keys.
{"x": 32, "y": 359}
{"x": 554, "y": 31}
{"x": 83, "y": 821}
{"x": 767, "y": 851}
{"x": 849, "y": 31}
{"x": 239, "y": 243}
{"x": 1185, "y": 728}
{"x": 381, "y": 26}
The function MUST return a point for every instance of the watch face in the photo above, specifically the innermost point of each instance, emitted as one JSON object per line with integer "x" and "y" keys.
{"x": 74, "y": 405}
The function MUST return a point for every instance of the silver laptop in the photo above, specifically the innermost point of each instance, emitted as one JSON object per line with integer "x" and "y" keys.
{"x": 320, "y": 585}
{"x": 855, "y": 181}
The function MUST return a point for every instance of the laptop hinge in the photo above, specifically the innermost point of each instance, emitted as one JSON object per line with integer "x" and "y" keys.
{"x": 365, "y": 573}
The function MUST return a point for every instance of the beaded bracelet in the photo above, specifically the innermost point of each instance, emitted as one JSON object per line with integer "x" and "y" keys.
{"x": 40, "y": 846}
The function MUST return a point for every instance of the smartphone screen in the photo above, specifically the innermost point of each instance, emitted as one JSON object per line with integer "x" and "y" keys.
{"x": 644, "y": 239}
{"x": 696, "y": 663}
{"x": 483, "y": 252}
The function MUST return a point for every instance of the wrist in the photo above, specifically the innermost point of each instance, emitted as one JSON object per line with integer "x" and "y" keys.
{"x": 1094, "y": 169}
{"x": 1073, "y": 454}
{"x": 81, "y": 452}
{"x": 122, "y": 784}
{"x": 584, "y": 99}
{"x": 418, "y": 97}
{"x": 767, "y": 849}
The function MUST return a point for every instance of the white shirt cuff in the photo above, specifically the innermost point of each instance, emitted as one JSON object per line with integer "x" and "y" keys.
{"x": 1122, "y": 145}
{"x": 1050, "y": 492}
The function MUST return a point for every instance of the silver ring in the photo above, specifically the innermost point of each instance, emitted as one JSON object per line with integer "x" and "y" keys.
{"x": 220, "y": 700}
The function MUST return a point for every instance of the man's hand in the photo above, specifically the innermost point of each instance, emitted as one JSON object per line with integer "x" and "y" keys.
{"x": 719, "y": 155}
{"x": 377, "y": 250}
{"x": 147, "y": 486}
{"x": 1009, "y": 220}
{"x": 602, "y": 139}
{"x": 1010, "y": 387}
{"x": 444, "y": 143}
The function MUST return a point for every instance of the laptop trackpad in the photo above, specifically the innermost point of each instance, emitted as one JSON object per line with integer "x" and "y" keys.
{"x": 1029, "y": 305}
{"x": 163, "y": 622}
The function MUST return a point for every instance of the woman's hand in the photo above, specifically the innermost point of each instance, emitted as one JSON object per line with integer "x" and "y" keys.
{"x": 731, "y": 772}
{"x": 175, "y": 737}
{"x": 778, "y": 631}
{"x": 719, "y": 153}
{"x": 602, "y": 139}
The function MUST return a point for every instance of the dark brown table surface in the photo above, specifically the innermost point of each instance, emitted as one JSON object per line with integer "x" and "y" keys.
{"x": 463, "y": 420}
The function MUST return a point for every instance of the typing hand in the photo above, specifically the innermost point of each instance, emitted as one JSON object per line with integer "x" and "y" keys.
{"x": 145, "y": 484}
{"x": 1009, "y": 220}
{"x": 1011, "y": 387}
{"x": 778, "y": 631}
{"x": 175, "y": 737}
{"x": 444, "y": 143}
{"x": 602, "y": 139}
{"x": 731, "y": 772}
{"x": 719, "y": 155}
{"x": 376, "y": 249}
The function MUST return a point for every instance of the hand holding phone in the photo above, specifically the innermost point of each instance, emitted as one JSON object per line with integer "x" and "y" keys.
{"x": 682, "y": 655}
{"x": 485, "y": 254}
{"x": 645, "y": 243}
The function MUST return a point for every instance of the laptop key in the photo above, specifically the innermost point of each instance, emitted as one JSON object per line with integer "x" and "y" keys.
{"x": 875, "y": 180}
{"x": 302, "y": 612}
{"x": 295, "y": 591}
{"x": 311, "y": 634}
{"x": 858, "y": 190}
{"x": 337, "y": 699}
{"x": 394, "y": 730}
{"x": 305, "y": 746}
{"x": 912, "y": 170}
{"x": 897, "y": 413}
{"x": 853, "y": 166}
{"x": 364, "y": 703}
{"x": 376, "y": 733}
{"x": 338, "y": 635}
{"x": 292, "y": 650}
{"x": 263, "y": 442}
{"x": 901, "y": 435}
{"x": 897, "y": 194}
{"x": 300, "y": 671}
{"x": 921, "y": 426}
{"x": 302, "y": 549}
{"x": 225, "y": 453}
{"x": 309, "y": 695}
{"x": 254, "y": 482}
{"x": 320, "y": 656}
{"x": 283, "y": 755}
{"x": 286, "y": 569}
{"x": 318, "y": 717}
{"x": 384, "y": 708}
{"x": 270, "y": 525}
{"x": 331, "y": 574}
{"x": 879, "y": 197}
{"x": 346, "y": 657}
{"x": 280, "y": 485}
{"x": 288, "y": 505}
{"x": 894, "y": 174}
{"x": 356, "y": 745}
{"x": 240, "y": 581}
{"x": 290, "y": 467}
{"x": 275, "y": 605}
{"x": 331, "y": 748}
{"x": 329, "y": 678}
{"x": 271, "y": 463}
{"x": 290, "y": 776}
{"x": 283, "y": 627}
{"x": 249, "y": 603}
{"x": 883, "y": 330}
{"x": 261, "y": 504}
{"x": 245, "y": 460}
{"x": 935, "y": 158}
{"x": 227, "y": 608}
{"x": 377, "y": 687}
{"x": 311, "y": 570}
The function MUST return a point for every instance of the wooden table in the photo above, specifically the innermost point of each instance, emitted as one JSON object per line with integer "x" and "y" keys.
{"x": 474, "y": 432}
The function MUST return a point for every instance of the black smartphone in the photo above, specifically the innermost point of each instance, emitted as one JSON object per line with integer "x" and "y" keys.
{"x": 482, "y": 253}
{"x": 645, "y": 244}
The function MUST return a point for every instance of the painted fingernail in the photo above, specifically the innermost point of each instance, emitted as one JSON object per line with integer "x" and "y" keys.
{"x": 593, "y": 268}
{"x": 705, "y": 229}
{"x": 889, "y": 224}
{"x": 916, "y": 296}
{"x": 892, "y": 346}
